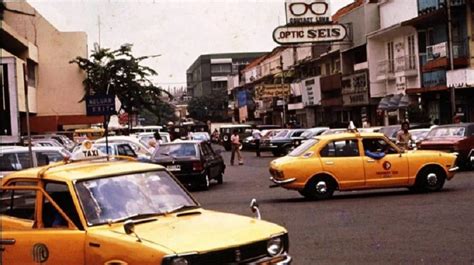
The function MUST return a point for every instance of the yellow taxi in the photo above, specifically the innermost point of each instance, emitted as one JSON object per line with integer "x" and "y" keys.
{"x": 124, "y": 212}
{"x": 356, "y": 161}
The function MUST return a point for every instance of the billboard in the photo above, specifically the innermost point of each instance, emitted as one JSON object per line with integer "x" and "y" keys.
{"x": 272, "y": 91}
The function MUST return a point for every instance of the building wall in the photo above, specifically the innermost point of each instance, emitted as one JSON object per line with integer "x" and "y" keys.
{"x": 59, "y": 84}
{"x": 396, "y": 11}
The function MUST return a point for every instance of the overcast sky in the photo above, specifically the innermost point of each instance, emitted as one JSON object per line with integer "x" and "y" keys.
{"x": 178, "y": 30}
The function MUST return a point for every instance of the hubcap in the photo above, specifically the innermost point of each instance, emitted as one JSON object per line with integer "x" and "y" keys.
{"x": 432, "y": 179}
{"x": 321, "y": 187}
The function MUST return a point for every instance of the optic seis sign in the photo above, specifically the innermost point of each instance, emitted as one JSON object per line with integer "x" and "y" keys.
{"x": 308, "y": 21}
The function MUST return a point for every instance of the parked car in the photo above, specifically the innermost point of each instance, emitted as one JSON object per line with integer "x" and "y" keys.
{"x": 124, "y": 212}
{"x": 194, "y": 163}
{"x": 355, "y": 161}
{"x": 62, "y": 139}
{"x": 418, "y": 135}
{"x": 249, "y": 143}
{"x": 308, "y": 134}
{"x": 14, "y": 158}
{"x": 46, "y": 142}
{"x": 334, "y": 131}
{"x": 282, "y": 143}
{"x": 244, "y": 130}
{"x": 392, "y": 130}
{"x": 139, "y": 147}
{"x": 200, "y": 136}
{"x": 146, "y": 137}
{"x": 457, "y": 138}
{"x": 120, "y": 149}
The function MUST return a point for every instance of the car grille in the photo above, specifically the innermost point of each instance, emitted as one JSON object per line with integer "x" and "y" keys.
{"x": 237, "y": 255}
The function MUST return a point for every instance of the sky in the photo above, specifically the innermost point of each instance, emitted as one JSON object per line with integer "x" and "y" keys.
{"x": 177, "y": 30}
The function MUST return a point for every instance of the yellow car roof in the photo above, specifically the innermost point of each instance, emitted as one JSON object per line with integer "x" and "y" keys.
{"x": 348, "y": 135}
{"x": 84, "y": 170}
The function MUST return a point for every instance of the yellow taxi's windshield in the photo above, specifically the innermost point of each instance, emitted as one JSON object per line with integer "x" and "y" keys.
{"x": 117, "y": 198}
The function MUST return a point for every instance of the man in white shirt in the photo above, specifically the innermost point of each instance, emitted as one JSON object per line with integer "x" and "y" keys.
{"x": 257, "y": 136}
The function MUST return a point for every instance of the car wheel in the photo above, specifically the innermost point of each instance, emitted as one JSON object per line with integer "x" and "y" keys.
{"x": 430, "y": 179}
{"x": 206, "y": 182}
{"x": 220, "y": 178}
{"x": 320, "y": 188}
{"x": 287, "y": 149}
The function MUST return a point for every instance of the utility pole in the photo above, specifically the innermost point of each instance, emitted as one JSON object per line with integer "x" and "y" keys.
{"x": 282, "y": 89}
{"x": 451, "y": 58}
{"x": 27, "y": 109}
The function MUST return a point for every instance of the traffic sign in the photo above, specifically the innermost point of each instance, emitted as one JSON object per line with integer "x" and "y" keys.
{"x": 99, "y": 105}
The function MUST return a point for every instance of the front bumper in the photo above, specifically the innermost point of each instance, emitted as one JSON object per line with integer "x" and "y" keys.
{"x": 283, "y": 259}
{"x": 278, "y": 183}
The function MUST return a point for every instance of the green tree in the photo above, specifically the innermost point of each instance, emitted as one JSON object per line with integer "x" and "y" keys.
{"x": 209, "y": 107}
{"x": 120, "y": 73}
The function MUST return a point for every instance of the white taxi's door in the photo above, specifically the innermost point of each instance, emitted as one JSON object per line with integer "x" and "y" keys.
{"x": 343, "y": 160}
{"x": 24, "y": 240}
{"x": 385, "y": 166}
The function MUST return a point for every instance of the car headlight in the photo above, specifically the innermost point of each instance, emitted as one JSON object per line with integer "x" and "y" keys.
{"x": 182, "y": 259}
{"x": 275, "y": 246}
{"x": 179, "y": 261}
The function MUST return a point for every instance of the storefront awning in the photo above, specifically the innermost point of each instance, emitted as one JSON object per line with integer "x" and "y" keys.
{"x": 394, "y": 102}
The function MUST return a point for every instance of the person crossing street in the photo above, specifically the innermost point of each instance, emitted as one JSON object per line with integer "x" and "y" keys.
{"x": 257, "y": 136}
{"x": 235, "y": 140}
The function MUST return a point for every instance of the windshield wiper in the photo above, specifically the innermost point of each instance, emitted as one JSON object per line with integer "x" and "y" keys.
{"x": 182, "y": 208}
{"x": 137, "y": 216}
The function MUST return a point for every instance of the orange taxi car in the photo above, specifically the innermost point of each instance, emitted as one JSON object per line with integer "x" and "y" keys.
{"x": 356, "y": 161}
{"x": 123, "y": 213}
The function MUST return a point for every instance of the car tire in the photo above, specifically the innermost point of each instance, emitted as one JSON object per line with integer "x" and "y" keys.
{"x": 319, "y": 188}
{"x": 206, "y": 182}
{"x": 220, "y": 178}
{"x": 430, "y": 179}
{"x": 287, "y": 149}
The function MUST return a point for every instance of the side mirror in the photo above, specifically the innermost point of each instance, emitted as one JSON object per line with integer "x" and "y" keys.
{"x": 255, "y": 209}
{"x": 129, "y": 227}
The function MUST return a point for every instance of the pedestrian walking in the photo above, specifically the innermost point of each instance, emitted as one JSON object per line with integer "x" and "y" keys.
{"x": 257, "y": 136}
{"x": 404, "y": 136}
{"x": 235, "y": 141}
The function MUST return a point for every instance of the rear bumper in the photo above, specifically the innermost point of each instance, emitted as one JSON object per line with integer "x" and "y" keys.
{"x": 189, "y": 179}
{"x": 278, "y": 183}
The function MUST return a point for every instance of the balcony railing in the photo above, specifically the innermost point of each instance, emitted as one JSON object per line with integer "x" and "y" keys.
{"x": 405, "y": 63}
{"x": 385, "y": 67}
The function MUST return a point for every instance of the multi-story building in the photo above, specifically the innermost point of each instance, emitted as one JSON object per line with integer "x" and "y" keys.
{"x": 54, "y": 86}
{"x": 435, "y": 46}
{"x": 393, "y": 60}
{"x": 209, "y": 72}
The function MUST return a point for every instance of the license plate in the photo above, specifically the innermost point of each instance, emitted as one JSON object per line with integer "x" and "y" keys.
{"x": 174, "y": 168}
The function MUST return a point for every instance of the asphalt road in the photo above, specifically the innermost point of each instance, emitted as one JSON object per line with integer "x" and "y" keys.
{"x": 365, "y": 227}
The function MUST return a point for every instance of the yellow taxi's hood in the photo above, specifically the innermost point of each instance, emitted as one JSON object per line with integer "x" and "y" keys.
{"x": 203, "y": 232}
